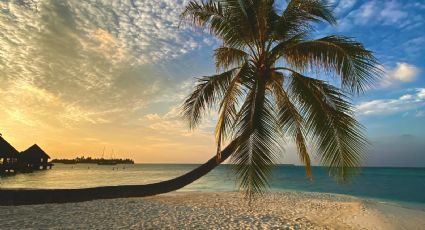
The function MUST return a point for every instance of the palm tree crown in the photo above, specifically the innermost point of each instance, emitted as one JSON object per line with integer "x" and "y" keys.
{"x": 271, "y": 86}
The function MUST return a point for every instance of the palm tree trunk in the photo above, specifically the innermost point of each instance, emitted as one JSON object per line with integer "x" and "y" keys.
{"x": 42, "y": 196}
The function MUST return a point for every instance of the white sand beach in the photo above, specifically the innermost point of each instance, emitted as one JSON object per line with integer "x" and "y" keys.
{"x": 220, "y": 210}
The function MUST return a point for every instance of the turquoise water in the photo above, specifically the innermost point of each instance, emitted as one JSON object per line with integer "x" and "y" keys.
{"x": 403, "y": 185}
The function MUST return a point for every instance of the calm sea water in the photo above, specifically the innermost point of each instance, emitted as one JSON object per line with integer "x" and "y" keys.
{"x": 403, "y": 185}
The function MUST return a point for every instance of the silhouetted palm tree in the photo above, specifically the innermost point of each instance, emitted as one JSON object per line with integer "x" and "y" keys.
{"x": 275, "y": 86}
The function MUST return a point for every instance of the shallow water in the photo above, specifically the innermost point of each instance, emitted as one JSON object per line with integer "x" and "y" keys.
{"x": 402, "y": 185}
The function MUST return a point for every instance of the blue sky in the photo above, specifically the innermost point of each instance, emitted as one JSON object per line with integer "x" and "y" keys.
{"x": 393, "y": 113}
{"x": 76, "y": 76}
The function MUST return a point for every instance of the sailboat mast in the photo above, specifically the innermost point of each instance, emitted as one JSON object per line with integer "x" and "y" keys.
{"x": 103, "y": 152}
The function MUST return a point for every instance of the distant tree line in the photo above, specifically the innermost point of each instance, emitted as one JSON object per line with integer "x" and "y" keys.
{"x": 89, "y": 160}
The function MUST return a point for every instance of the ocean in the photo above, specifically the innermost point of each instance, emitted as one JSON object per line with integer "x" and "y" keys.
{"x": 405, "y": 186}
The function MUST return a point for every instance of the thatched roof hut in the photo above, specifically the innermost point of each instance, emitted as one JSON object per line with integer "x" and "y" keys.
{"x": 6, "y": 149}
{"x": 34, "y": 158}
{"x": 34, "y": 152}
{"x": 11, "y": 160}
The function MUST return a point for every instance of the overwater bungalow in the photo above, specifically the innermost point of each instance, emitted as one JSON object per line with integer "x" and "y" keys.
{"x": 11, "y": 161}
{"x": 34, "y": 158}
{"x": 8, "y": 157}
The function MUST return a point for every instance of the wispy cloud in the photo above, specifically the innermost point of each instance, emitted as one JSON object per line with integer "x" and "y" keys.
{"x": 87, "y": 61}
{"x": 115, "y": 73}
{"x": 405, "y": 103}
{"x": 414, "y": 47}
{"x": 343, "y": 6}
{"x": 377, "y": 12}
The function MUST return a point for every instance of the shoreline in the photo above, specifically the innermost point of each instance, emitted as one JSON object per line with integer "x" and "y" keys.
{"x": 220, "y": 210}
{"x": 367, "y": 199}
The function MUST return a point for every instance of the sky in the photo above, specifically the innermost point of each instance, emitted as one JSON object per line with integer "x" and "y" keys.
{"x": 77, "y": 77}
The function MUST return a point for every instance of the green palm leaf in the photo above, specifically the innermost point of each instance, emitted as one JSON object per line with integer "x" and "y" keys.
{"x": 336, "y": 135}
{"x": 349, "y": 59}
{"x": 299, "y": 14}
{"x": 259, "y": 107}
{"x": 229, "y": 57}
{"x": 258, "y": 144}
{"x": 228, "y": 107}
{"x": 291, "y": 121}
{"x": 207, "y": 91}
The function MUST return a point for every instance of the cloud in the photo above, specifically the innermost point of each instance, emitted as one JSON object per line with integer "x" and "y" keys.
{"x": 147, "y": 30}
{"x": 392, "y": 12}
{"x": 365, "y": 12}
{"x": 405, "y": 72}
{"x": 152, "y": 116}
{"x": 382, "y": 107}
{"x": 414, "y": 47}
{"x": 402, "y": 73}
{"x": 88, "y": 61}
{"x": 343, "y": 6}
{"x": 421, "y": 93}
{"x": 376, "y": 12}
{"x": 71, "y": 71}
{"x": 31, "y": 105}
{"x": 167, "y": 124}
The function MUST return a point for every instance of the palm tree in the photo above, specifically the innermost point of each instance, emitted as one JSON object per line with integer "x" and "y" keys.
{"x": 272, "y": 87}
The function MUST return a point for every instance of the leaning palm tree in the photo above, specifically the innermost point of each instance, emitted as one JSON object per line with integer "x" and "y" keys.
{"x": 276, "y": 83}
{"x": 274, "y": 86}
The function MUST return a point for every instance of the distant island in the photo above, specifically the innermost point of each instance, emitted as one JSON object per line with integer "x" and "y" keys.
{"x": 89, "y": 160}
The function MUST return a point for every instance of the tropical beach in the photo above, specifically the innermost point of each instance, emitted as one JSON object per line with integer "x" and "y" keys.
{"x": 213, "y": 114}
{"x": 294, "y": 202}
{"x": 207, "y": 210}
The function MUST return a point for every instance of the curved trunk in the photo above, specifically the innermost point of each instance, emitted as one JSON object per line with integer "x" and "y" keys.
{"x": 42, "y": 196}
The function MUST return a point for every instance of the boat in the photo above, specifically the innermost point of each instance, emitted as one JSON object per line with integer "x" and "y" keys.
{"x": 106, "y": 161}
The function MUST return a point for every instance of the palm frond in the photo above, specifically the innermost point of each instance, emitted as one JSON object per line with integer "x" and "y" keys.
{"x": 277, "y": 51}
{"x": 199, "y": 13}
{"x": 336, "y": 135}
{"x": 356, "y": 65}
{"x": 212, "y": 15}
{"x": 228, "y": 108}
{"x": 310, "y": 10}
{"x": 207, "y": 91}
{"x": 259, "y": 105}
{"x": 258, "y": 143}
{"x": 290, "y": 120}
{"x": 298, "y": 16}
{"x": 226, "y": 57}
{"x": 244, "y": 14}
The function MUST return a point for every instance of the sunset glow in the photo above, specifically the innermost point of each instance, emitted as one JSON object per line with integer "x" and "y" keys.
{"x": 81, "y": 76}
